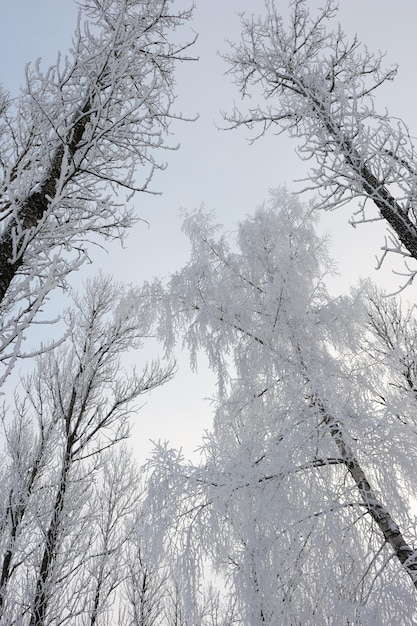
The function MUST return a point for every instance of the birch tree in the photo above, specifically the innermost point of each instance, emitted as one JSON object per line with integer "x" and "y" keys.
{"x": 304, "y": 499}
{"x": 79, "y": 141}
{"x": 320, "y": 86}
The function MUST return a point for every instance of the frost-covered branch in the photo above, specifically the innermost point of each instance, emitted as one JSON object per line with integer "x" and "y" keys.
{"x": 319, "y": 86}
{"x": 81, "y": 139}
{"x": 311, "y": 458}
{"x": 75, "y": 407}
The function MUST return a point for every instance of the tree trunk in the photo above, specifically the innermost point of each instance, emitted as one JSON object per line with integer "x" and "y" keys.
{"x": 16, "y": 512}
{"x": 42, "y": 597}
{"x": 36, "y": 205}
{"x": 381, "y": 516}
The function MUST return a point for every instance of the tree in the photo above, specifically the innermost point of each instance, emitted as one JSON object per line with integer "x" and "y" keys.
{"x": 152, "y": 596}
{"x": 81, "y": 139}
{"x": 76, "y": 405}
{"x": 145, "y": 587}
{"x": 304, "y": 499}
{"x": 71, "y": 146}
{"x": 320, "y": 87}
{"x": 96, "y": 594}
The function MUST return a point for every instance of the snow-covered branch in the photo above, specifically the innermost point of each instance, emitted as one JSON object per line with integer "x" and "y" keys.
{"x": 319, "y": 86}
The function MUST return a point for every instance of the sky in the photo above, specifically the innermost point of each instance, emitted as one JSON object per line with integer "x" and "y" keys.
{"x": 217, "y": 168}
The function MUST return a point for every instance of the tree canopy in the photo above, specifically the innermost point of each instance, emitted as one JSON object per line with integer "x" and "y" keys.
{"x": 304, "y": 500}
{"x": 301, "y": 509}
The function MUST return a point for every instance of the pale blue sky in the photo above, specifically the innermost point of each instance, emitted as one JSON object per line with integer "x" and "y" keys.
{"x": 217, "y": 168}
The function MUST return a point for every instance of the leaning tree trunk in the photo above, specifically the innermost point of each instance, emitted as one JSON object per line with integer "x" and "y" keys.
{"x": 34, "y": 208}
{"x": 379, "y": 513}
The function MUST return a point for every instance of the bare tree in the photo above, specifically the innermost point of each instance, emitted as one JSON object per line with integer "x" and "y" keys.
{"x": 28, "y": 455}
{"x": 95, "y": 593}
{"x": 319, "y": 86}
{"x": 81, "y": 139}
{"x": 77, "y": 144}
{"x": 145, "y": 589}
{"x": 81, "y": 400}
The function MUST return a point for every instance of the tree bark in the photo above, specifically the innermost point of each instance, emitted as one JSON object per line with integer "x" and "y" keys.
{"x": 379, "y": 513}
{"x": 41, "y": 599}
{"x": 36, "y": 205}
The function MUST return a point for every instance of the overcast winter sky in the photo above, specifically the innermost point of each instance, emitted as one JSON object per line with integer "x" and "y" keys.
{"x": 219, "y": 169}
